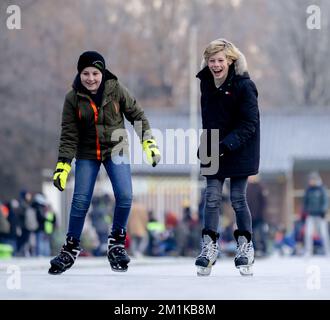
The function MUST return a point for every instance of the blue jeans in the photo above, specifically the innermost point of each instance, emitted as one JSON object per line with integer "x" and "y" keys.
{"x": 85, "y": 178}
{"x": 42, "y": 244}
{"x": 213, "y": 199}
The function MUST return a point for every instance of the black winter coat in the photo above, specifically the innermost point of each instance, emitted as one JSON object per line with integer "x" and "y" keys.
{"x": 316, "y": 201}
{"x": 233, "y": 110}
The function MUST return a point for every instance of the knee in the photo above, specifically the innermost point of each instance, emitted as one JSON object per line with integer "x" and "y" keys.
{"x": 238, "y": 201}
{"x": 212, "y": 200}
{"x": 80, "y": 202}
{"x": 124, "y": 199}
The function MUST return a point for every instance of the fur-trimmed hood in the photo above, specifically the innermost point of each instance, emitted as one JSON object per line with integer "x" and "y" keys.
{"x": 240, "y": 64}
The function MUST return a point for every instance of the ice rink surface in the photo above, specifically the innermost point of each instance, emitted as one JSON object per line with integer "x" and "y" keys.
{"x": 275, "y": 278}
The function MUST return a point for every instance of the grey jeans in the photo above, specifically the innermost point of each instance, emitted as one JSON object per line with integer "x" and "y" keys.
{"x": 321, "y": 225}
{"x": 213, "y": 200}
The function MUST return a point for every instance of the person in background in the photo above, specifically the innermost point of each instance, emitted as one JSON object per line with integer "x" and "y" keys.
{"x": 316, "y": 205}
{"x": 100, "y": 219}
{"x": 257, "y": 200}
{"x": 42, "y": 239}
{"x": 137, "y": 228}
{"x": 27, "y": 223}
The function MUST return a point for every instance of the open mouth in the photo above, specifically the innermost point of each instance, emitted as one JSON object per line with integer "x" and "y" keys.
{"x": 217, "y": 72}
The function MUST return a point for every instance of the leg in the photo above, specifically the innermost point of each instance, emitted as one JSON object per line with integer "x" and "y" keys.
{"x": 239, "y": 203}
{"x": 120, "y": 177}
{"x": 244, "y": 258}
{"x": 257, "y": 236}
{"x": 213, "y": 198}
{"x": 309, "y": 243}
{"x": 39, "y": 240}
{"x": 85, "y": 177}
{"x": 324, "y": 232}
{"x": 86, "y": 173}
{"x": 210, "y": 236}
{"x": 137, "y": 246}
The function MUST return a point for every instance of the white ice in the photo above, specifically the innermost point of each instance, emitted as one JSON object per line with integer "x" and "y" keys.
{"x": 166, "y": 279}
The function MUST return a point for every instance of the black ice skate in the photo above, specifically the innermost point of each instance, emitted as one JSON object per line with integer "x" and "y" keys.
{"x": 66, "y": 258}
{"x": 209, "y": 254}
{"x": 117, "y": 254}
{"x": 244, "y": 258}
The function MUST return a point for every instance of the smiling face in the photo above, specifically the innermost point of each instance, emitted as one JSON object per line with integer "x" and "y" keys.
{"x": 219, "y": 65}
{"x": 91, "y": 79}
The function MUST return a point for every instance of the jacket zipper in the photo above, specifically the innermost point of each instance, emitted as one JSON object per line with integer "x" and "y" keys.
{"x": 96, "y": 115}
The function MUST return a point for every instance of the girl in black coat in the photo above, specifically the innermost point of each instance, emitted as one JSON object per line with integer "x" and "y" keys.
{"x": 229, "y": 148}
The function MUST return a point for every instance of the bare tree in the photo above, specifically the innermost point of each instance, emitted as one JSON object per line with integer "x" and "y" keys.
{"x": 302, "y": 53}
{"x": 146, "y": 43}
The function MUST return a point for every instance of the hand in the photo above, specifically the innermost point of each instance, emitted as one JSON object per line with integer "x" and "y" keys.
{"x": 152, "y": 152}
{"x": 222, "y": 149}
{"x": 61, "y": 175}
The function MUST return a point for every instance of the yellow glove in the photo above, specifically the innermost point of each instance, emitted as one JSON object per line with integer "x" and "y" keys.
{"x": 152, "y": 152}
{"x": 61, "y": 175}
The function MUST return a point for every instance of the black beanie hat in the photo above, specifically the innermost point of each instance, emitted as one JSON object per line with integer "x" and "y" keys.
{"x": 91, "y": 59}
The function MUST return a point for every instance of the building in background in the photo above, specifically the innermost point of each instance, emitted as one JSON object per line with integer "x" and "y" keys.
{"x": 292, "y": 144}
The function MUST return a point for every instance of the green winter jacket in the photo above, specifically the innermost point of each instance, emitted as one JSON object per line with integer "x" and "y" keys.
{"x": 90, "y": 132}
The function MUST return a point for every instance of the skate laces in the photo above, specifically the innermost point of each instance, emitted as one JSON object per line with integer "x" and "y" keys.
{"x": 209, "y": 248}
{"x": 244, "y": 248}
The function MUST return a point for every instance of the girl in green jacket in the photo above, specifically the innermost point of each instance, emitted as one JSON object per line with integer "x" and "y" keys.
{"x": 93, "y": 133}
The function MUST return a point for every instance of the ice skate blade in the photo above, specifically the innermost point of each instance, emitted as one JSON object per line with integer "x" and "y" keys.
{"x": 55, "y": 272}
{"x": 203, "y": 271}
{"x": 245, "y": 270}
{"x": 119, "y": 268}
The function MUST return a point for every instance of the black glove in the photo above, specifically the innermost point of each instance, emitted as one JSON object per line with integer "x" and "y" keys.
{"x": 222, "y": 149}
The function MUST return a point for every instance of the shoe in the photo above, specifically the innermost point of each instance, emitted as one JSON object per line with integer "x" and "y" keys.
{"x": 117, "y": 255}
{"x": 66, "y": 258}
{"x": 244, "y": 257}
{"x": 209, "y": 253}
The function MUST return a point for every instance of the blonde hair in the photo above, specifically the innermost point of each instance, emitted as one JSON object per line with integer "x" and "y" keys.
{"x": 215, "y": 46}
{"x": 233, "y": 54}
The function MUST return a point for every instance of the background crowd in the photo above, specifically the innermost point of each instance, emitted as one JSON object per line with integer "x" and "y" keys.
{"x": 28, "y": 226}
